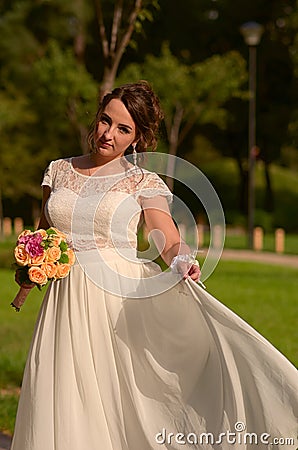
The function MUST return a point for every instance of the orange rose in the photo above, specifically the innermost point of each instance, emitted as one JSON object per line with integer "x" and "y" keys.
{"x": 37, "y": 275}
{"x": 59, "y": 233}
{"x": 24, "y": 233}
{"x": 71, "y": 256}
{"x": 62, "y": 270}
{"x": 42, "y": 232}
{"x": 37, "y": 260}
{"x": 53, "y": 254}
{"x": 55, "y": 240}
{"x": 21, "y": 256}
{"x": 49, "y": 268}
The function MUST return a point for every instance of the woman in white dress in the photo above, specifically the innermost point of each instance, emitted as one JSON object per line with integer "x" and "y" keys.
{"x": 125, "y": 356}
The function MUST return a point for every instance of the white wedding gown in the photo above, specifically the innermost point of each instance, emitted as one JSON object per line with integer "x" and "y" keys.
{"x": 125, "y": 357}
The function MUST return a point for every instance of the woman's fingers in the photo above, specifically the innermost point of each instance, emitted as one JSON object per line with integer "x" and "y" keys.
{"x": 194, "y": 272}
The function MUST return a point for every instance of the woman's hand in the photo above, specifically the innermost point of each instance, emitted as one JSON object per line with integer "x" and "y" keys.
{"x": 186, "y": 265}
{"x": 194, "y": 272}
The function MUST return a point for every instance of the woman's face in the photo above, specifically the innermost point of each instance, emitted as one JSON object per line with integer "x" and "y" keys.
{"x": 116, "y": 130}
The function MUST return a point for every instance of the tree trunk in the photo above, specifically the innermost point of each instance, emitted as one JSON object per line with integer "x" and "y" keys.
{"x": 1, "y": 216}
{"x": 243, "y": 190}
{"x": 114, "y": 47}
{"x": 269, "y": 196}
{"x": 79, "y": 50}
{"x": 108, "y": 80}
{"x": 35, "y": 211}
{"x": 173, "y": 134}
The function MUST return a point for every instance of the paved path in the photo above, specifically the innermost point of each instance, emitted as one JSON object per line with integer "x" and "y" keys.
{"x": 235, "y": 255}
{"x": 262, "y": 257}
{"x": 4, "y": 442}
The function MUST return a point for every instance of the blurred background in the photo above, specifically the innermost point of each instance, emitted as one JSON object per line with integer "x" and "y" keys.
{"x": 58, "y": 57}
{"x": 226, "y": 74}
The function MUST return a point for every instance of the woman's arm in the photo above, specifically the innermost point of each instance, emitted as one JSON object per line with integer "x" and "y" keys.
{"x": 43, "y": 223}
{"x": 166, "y": 237}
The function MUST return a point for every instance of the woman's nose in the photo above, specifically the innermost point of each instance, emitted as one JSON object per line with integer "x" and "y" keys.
{"x": 108, "y": 132}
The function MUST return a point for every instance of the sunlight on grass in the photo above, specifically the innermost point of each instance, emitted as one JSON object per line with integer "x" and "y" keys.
{"x": 263, "y": 295}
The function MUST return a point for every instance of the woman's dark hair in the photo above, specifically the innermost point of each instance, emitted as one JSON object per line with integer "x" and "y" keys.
{"x": 143, "y": 106}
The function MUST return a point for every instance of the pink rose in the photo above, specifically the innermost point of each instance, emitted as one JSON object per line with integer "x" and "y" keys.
{"x": 33, "y": 245}
{"x": 23, "y": 235}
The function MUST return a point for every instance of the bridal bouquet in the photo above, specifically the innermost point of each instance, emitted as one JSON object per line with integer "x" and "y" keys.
{"x": 40, "y": 256}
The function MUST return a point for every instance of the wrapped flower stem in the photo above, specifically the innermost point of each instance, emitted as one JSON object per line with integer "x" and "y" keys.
{"x": 21, "y": 296}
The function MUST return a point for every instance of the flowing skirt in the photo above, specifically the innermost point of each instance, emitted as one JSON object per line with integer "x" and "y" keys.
{"x": 177, "y": 370}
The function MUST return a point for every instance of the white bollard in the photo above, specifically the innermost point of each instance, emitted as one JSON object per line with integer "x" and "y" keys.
{"x": 200, "y": 235}
{"x": 18, "y": 225}
{"x": 279, "y": 240}
{"x": 7, "y": 226}
{"x": 258, "y": 238}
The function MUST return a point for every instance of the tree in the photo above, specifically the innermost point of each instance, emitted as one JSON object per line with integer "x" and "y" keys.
{"x": 116, "y": 36}
{"x": 190, "y": 94}
{"x": 16, "y": 166}
{"x": 63, "y": 97}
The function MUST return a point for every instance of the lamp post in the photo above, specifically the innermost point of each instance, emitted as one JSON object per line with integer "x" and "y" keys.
{"x": 252, "y": 33}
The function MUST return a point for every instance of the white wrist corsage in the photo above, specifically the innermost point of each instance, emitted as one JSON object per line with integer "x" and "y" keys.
{"x": 186, "y": 258}
{"x": 180, "y": 264}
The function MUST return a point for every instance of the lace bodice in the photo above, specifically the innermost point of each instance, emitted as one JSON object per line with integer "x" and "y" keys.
{"x": 100, "y": 210}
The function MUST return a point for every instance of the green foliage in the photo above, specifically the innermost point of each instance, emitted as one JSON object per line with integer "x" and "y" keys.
{"x": 48, "y": 97}
{"x": 8, "y": 409}
{"x": 201, "y": 89}
{"x": 223, "y": 174}
{"x": 18, "y": 46}
{"x": 63, "y": 259}
{"x": 63, "y": 246}
{"x": 63, "y": 88}
{"x": 16, "y": 167}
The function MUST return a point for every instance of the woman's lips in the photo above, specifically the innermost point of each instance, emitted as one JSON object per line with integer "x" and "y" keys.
{"x": 105, "y": 144}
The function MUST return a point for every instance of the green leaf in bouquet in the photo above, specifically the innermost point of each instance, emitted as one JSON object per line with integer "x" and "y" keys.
{"x": 64, "y": 259}
{"x": 45, "y": 244}
{"x": 50, "y": 231}
{"x": 63, "y": 246}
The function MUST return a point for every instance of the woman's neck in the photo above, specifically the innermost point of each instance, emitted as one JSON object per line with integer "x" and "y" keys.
{"x": 109, "y": 165}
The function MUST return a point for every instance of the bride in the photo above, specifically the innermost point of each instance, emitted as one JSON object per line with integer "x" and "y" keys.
{"x": 125, "y": 356}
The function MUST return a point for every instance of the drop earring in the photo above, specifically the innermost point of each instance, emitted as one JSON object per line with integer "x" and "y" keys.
{"x": 134, "y": 154}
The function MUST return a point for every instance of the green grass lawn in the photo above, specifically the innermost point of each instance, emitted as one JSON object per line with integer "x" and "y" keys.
{"x": 15, "y": 334}
{"x": 264, "y": 295}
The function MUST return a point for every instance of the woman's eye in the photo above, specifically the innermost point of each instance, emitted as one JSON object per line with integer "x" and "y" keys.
{"x": 124, "y": 130}
{"x": 104, "y": 119}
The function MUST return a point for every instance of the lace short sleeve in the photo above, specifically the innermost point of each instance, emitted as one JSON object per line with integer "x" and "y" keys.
{"x": 48, "y": 176}
{"x": 154, "y": 186}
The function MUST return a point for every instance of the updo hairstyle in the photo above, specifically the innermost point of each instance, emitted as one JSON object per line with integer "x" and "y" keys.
{"x": 143, "y": 106}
